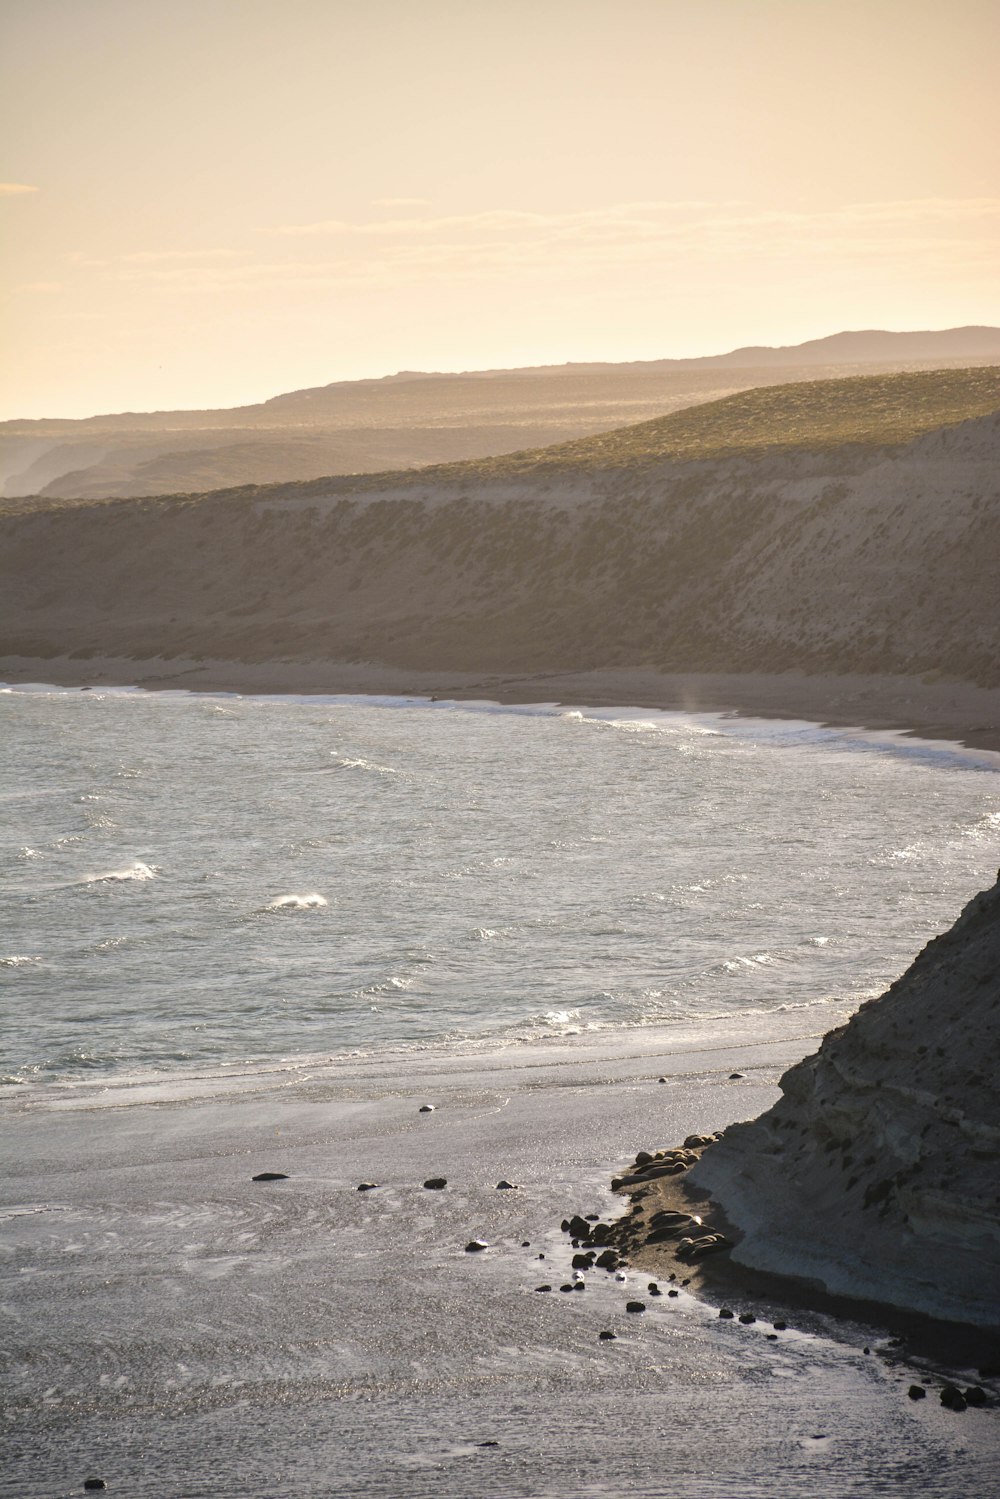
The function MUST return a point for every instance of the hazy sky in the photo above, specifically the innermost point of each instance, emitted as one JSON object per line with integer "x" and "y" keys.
{"x": 206, "y": 202}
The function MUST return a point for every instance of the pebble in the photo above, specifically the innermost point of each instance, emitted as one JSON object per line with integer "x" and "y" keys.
{"x": 543, "y": 1288}
{"x": 779, "y": 1326}
{"x": 607, "y": 1337}
{"x": 975, "y": 1395}
{"x": 262, "y": 1176}
{"x": 475, "y": 1245}
{"x": 426, "y": 1108}
{"x": 487, "y": 1444}
{"x": 436, "y": 1183}
{"x": 746, "y": 1318}
{"x": 661, "y": 1079}
{"x": 952, "y": 1398}
{"x": 635, "y": 1306}
{"x": 735, "y": 1077}
{"x": 567, "y": 1288}
{"x": 366, "y": 1186}
{"x": 506, "y": 1186}
{"x": 725, "y": 1313}
{"x": 97, "y": 1483}
{"x": 671, "y": 1293}
{"x": 917, "y": 1392}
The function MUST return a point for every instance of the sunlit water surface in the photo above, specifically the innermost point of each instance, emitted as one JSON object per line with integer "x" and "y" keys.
{"x": 194, "y": 880}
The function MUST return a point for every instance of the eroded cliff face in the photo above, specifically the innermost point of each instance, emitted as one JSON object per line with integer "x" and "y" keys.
{"x": 877, "y": 1174}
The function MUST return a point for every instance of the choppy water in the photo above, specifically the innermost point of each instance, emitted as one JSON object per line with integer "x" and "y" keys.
{"x": 204, "y": 880}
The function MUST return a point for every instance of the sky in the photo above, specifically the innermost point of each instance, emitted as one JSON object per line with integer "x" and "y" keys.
{"x": 208, "y": 202}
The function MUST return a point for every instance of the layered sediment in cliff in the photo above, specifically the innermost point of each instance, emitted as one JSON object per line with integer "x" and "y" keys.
{"x": 877, "y": 1174}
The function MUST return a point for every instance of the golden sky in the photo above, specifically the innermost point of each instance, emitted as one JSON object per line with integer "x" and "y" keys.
{"x": 207, "y": 202}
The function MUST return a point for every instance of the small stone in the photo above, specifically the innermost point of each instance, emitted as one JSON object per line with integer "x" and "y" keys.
{"x": 525, "y": 1243}
{"x": 866, "y": 1350}
{"x": 540, "y": 1256}
{"x": 436, "y": 1183}
{"x": 725, "y": 1313}
{"x": 262, "y": 1176}
{"x": 975, "y": 1395}
{"x": 506, "y": 1186}
{"x": 643, "y": 1158}
{"x": 952, "y": 1398}
{"x": 747, "y": 1317}
{"x": 607, "y": 1259}
{"x": 567, "y": 1288}
{"x": 95, "y": 1483}
{"x": 581, "y": 1285}
{"x": 366, "y": 1186}
{"x": 426, "y": 1108}
{"x": 543, "y": 1288}
{"x": 583, "y": 1260}
{"x": 635, "y": 1306}
{"x": 772, "y": 1337}
{"x": 475, "y": 1246}
{"x": 607, "y": 1337}
{"x": 735, "y": 1077}
{"x": 671, "y": 1293}
{"x": 917, "y": 1392}
{"x": 779, "y": 1326}
{"x": 661, "y": 1080}
{"x": 487, "y": 1444}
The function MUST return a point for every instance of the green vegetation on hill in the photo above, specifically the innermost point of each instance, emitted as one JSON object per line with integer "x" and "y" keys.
{"x": 874, "y": 410}
{"x": 814, "y": 415}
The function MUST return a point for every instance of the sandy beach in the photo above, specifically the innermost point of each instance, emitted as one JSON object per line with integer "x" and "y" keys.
{"x": 183, "y": 1329}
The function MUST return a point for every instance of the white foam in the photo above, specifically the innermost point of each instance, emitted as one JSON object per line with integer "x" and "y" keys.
{"x": 308, "y": 902}
{"x": 134, "y": 871}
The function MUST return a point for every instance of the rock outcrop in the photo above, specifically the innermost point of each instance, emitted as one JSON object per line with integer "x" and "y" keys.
{"x": 877, "y": 1174}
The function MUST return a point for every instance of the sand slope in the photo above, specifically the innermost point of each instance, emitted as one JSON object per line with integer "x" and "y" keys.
{"x": 876, "y": 1174}
{"x": 838, "y": 557}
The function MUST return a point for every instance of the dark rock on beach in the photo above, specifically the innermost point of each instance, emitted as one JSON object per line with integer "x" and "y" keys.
{"x": 94, "y": 1483}
{"x": 952, "y": 1398}
{"x": 366, "y": 1186}
{"x": 635, "y": 1306}
{"x": 506, "y": 1186}
{"x": 436, "y": 1183}
{"x": 267, "y": 1176}
{"x": 476, "y": 1246}
{"x": 426, "y": 1108}
{"x": 917, "y": 1392}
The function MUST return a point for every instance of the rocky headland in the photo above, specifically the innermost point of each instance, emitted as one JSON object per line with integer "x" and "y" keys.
{"x": 876, "y": 1176}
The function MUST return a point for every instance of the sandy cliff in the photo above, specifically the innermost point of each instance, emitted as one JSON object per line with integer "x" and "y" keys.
{"x": 877, "y": 1175}
{"x": 817, "y": 556}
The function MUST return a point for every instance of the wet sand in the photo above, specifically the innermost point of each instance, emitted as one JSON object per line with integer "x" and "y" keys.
{"x": 179, "y": 1328}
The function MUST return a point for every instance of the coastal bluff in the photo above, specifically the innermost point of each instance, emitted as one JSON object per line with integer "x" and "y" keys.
{"x": 877, "y": 1174}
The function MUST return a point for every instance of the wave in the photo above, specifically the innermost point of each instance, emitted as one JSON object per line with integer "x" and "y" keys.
{"x": 137, "y": 870}
{"x": 18, "y": 960}
{"x": 343, "y": 763}
{"x": 309, "y": 902}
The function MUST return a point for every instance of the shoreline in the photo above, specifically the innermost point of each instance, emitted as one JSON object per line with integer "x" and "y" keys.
{"x": 956, "y": 712}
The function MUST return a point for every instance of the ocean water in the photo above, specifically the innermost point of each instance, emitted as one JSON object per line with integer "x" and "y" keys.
{"x": 190, "y": 881}
{"x": 244, "y": 935}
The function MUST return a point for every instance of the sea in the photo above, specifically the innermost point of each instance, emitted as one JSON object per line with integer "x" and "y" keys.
{"x": 378, "y": 939}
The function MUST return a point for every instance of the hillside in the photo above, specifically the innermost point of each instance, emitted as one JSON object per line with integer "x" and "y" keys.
{"x": 848, "y": 527}
{"x": 413, "y": 419}
{"x": 875, "y": 1175}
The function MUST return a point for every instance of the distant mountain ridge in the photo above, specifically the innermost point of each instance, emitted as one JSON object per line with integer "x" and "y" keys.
{"x": 413, "y": 418}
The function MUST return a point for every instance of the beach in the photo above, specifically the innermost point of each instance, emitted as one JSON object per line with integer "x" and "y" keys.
{"x": 179, "y": 1328}
{"x": 945, "y": 709}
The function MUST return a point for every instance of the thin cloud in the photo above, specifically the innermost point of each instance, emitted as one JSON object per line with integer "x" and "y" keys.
{"x": 153, "y": 257}
{"x": 950, "y": 234}
{"x": 14, "y": 189}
